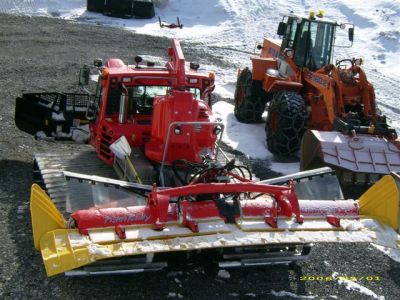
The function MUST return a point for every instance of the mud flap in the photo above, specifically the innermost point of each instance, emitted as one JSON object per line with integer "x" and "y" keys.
{"x": 50, "y": 114}
{"x": 362, "y": 158}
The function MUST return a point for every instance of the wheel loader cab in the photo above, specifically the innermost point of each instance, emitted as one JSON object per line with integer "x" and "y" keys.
{"x": 311, "y": 40}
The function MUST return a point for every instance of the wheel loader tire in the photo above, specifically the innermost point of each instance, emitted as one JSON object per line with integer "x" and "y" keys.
{"x": 250, "y": 98}
{"x": 285, "y": 123}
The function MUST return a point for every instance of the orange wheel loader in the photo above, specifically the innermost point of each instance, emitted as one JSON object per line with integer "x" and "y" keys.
{"x": 328, "y": 110}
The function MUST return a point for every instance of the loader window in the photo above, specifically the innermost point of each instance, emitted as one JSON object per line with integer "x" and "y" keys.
{"x": 323, "y": 44}
{"x": 314, "y": 45}
{"x": 303, "y": 45}
{"x": 288, "y": 40}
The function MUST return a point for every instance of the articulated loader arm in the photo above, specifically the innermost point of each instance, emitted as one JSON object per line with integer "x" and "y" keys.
{"x": 271, "y": 215}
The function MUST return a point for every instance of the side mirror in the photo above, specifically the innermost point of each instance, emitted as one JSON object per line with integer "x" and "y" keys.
{"x": 281, "y": 28}
{"x": 138, "y": 60}
{"x": 84, "y": 74}
{"x": 351, "y": 34}
{"x": 98, "y": 63}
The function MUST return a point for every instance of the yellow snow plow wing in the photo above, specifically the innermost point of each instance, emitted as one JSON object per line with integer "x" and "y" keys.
{"x": 64, "y": 249}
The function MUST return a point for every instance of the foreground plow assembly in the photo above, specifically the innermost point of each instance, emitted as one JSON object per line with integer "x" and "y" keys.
{"x": 226, "y": 217}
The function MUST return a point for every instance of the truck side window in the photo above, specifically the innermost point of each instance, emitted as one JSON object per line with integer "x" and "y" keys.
{"x": 114, "y": 96}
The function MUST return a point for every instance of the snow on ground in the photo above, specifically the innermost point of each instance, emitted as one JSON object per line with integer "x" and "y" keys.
{"x": 286, "y": 294}
{"x": 391, "y": 252}
{"x": 353, "y": 286}
{"x": 248, "y": 138}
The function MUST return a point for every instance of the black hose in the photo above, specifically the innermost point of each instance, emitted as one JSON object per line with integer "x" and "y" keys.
{"x": 189, "y": 166}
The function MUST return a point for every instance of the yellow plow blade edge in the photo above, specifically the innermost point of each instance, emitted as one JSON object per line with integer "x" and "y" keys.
{"x": 65, "y": 249}
{"x": 45, "y": 216}
{"x": 381, "y": 201}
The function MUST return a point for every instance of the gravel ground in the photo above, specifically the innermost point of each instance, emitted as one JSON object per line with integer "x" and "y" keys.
{"x": 43, "y": 54}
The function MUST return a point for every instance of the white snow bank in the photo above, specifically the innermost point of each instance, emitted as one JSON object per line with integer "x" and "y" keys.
{"x": 248, "y": 138}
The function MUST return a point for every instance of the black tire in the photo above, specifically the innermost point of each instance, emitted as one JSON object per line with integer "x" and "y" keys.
{"x": 285, "y": 123}
{"x": 250, "y": 98}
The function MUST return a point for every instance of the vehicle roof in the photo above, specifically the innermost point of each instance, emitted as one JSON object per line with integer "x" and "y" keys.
{"x": 131, "y": 70}
{"x": 315, "y": 19}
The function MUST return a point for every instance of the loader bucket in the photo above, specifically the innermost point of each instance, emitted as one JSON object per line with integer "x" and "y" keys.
{"x": 361, "y": 159}
{"x": 169, "y": 224}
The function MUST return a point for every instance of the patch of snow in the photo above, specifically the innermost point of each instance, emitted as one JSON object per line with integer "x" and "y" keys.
{"x": 370, "y": 223}
{"x": 353, "y": 286}
{"x": 250, "y": 295}
{"x": 391, "y": 252}
{"x": 248, "y": 138}
{"x": 292, "y": 295}
{"x": 40, "y": 135}
{"x": 224, "y": 274}
{"x": 99, "y": 250}
{"x": 177, "y": 280}
{"x": 353, "y": 225}
{"x": 58, "y": 116}
{"x": 172, "y": 274}
{"x": 171, "y": 295}
{"x": 80, "y": 134}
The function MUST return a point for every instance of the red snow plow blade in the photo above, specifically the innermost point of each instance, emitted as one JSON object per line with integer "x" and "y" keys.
{"x": 224, "y": 216}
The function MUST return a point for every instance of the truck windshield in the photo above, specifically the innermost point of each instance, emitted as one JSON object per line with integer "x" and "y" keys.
{"x": 140, "y": 97}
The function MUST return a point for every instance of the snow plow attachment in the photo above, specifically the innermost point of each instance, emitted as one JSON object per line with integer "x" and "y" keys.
{"x": 358, "y": 159}
{"x": 223, "y": 216}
